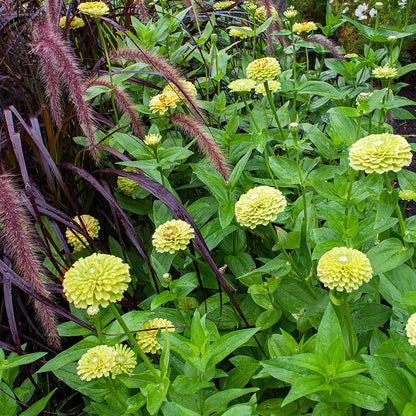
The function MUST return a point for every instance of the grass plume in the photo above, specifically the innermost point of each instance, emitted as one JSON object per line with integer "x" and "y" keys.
{"x": 124, "y": 103}
{"x": 208, "y": 146}
{"x": 16, "y": 238}
{"x": 54, "y": 53}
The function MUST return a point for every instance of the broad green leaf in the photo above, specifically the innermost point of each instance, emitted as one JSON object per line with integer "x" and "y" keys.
{"x": 226, "y": 212}
{"x": 349, "y": 368}
{"x": 161, "y": 298}
{"x": 405, "y": 350}
{"x": 8, "y": 404}
{"x": 21, "y": 360}
{"x": 388, "y": 255}
{"x": 268, "y": 318}
{"x": 219, "y": 401}
{"x": 284, "y": 369}
{"x": 238, "y": 170}
{"x": 239, "y": 410}
{"x": 407, "y": 179}
{"x": 323, "y": 89}
{"x": 38, "y": 406}
{"x": 155, "y": 395}
{"x": 367, "y": 316}
{"x": 305, "y": 386}
{"x": 385, "y": 207}
{"x": 312, "y": 362}
{"x": 273, "y": 407}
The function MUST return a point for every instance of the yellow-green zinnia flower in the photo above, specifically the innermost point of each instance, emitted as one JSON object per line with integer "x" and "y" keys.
{"x": 261, "y": 13}
{"x": 75, "y": 22}
{"x": 221, "y": 5}
{"x": 407, "y": 195}
{"x": 97, "y": 362}
{"x": 273, "y": 86}
{"x": 124, "y": 360}
{"x": 385, "y": 72}
{"x": 290, "y": 13}
{"x": 146, "y": 335}
{"x": 94, "y": 8}
{"x": 304, "y": 27}
{"x": 241, "y": 35}
{"x": 344, "y": 268}
{"x": 89, "y": 224}
{"x": 126, "y": 185}
{"x": 263, "y": 69}
{"x": 187, "y": 86}
{"x": 152, "y": 140}
{"x": 96, "y": 280}
{"x": 411, "y": 329}
{"x": 161, "y": 103}
{"x": 380, "y": 153}
{"x": 259, "y": 205}
{"x": 242, "y": 85}
{"x": 172, "y": 236}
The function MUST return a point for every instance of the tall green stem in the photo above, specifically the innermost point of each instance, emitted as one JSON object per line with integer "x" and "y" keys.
{"x": 348, "y": 325}
{"x": 269, "y": 97}
{"x": 139, "y": 352}
{"x": 249, "y": 111}
{"x": 196, "y": 17}
{"x": 266, "y": 160}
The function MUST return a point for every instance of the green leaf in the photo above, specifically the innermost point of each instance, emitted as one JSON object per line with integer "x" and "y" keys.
{"x": 8, "y": 405}
{"x": 161, "y": 298}
{"x": 410, "y": 227}
{"x": 367, "y": 316}
{"x": 273, "y": 407}
{"x": 268, "y": 318}
{"x": 305, "y": 386}
{"x": 156, "y": 394}
{"x": 345, "y": 111}
{"x": 21, "y": 360}
{"x": 286, "y": 170}
{"x": 239, "y": 410}
{"x": 135, "y": 402}
{"x": 385, "y": 207}
{"x": 238, "y": 170}
{"x": 388, "y": 255}
{"x": 228, "y": 343}
{"x": 349, "y": 368}
{"x": 219, "y": 401}
{"x": 226, "y": 212}
{"x": 407, "y": 180}
{"x": 323, "y": 89}
{"x": 405, "y": 350}
{"x": 38, "y": 406}
{"x": 284, "y": 369}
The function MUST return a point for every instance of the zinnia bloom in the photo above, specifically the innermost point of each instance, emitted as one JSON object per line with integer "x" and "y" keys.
{"x": 290, "y": 13}
{"x": 94, "y": 8}
{"x": 351, "y": 55}
{"x": 221, "y": 5}
{"x": 89, "y": 224}
{"x": 407, "y": 195}
{"x": 380, "y": 153}
{"x": 75, "y": 22}
{"x": 273, "y": 86}
{"x": 261, "y": 13}
{"x": 97, "y": 362}
{"x": 126, "y": 185}
{"x": 385, "y": 72}
{"x": 259, "y": 205}
{"x": 125, "y": 360}
{"x": 96, "y": 280}
{"x": 263, "y": 69}
{"x": 188, "y": 86}
{"x": 344, "y": 268}
{"x": 242, "y": 85}
{"x": 152, "y": 140}
{"x": 411, "y": 329}
{"x": 162, "y": 102}
{"x": 172, "y": 236}
{"x": 147, "y": 339}
{"x": 241, "y": 35}
{"x": 304, "y": 27}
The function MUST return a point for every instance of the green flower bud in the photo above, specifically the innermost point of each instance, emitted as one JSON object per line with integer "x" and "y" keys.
{"x": 187, "y": 303}
{"x": 294, "y": 128}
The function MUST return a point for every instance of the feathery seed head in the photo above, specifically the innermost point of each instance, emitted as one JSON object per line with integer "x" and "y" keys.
{"x": 380, "y": 153}
{"x": 263, "y": 69}
{"x": 146, "y": 335}
{"x": 172, "y": 236}
{"x": 96, "y": 280}
{"x": 344, "y": 268}
{"x": 260, "y": 205}
{"x": 88, "y": 224}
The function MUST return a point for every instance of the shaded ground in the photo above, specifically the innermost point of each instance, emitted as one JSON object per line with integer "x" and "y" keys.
{"x": 408, "y": 128}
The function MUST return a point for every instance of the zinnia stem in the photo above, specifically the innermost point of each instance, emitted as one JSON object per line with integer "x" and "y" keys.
{"x": 348, "y": 325}
{"x": 136, "y": 346}
{"x": 269, "y": 96}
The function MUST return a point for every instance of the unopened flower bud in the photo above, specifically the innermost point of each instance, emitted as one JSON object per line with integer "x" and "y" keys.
{"x": 294, "y": 128}
{"x": 379, "y": 5}
{"x": 363, "y": 97}
{"x": 187, "y": 303}
{"x": 392, "y": 38}
{"x": 214, "y": 38}
{"x": 166, "y": 277}
{"x": 93, "y": 311}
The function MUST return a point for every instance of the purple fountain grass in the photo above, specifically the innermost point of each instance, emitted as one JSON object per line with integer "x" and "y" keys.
{"x": 143, "y": 13}
{"x": 54, "y": 53}
{"x": 210, "y": 148}
{"x": 268, "y": 5}
{"x": 52, "y": 11}
{"x": 328, "y": 44}
{"x": 124, "y": 103}
{"x": 16, "y": 237}
{"x": 162, "y": 66}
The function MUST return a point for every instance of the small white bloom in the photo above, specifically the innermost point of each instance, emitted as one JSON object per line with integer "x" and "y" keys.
{"x": 361, "y": 10}
{"x": 372, "y": 12}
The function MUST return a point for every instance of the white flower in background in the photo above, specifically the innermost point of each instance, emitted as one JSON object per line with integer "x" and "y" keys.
{"x": 361, "y": 10}
{"x": 345, "y": 10}
{"x": 402, "y": 3}
{"x": 372, "y": 12}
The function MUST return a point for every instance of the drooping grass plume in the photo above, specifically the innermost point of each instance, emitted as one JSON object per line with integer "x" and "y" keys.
{"x": 124, "y": 103}
{"x": 16, "y": 238}
{"x": 328, "y": 44}
{"x": 162, "y": 66}
{"x": 55, "y": 54}
{"x": 210, "y": 148}
{"x": 143, "y": 13}
{"x": 52, "y": 11}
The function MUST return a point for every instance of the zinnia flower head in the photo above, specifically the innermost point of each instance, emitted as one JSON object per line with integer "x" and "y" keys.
{"x": 259, "y": 205}
{"x": 221, "y": 5}
{"x": 89, "y": 224}
{"x": 146, "y": 335}
{"x": 188, "y": 86}
{"x": 96, "y": 280}
{"x": 94, "y": 8}
{"x": 380, "y": 153}
{"x": 242, "y": 85}
{"x": 411, "y": 329}
{"x": 344, "y": 268}
{"x": 241, "y": 35}
{"x": 251, "y": 5}
{"x": 304, "y": 27}
{"x": 363, "y": 97}
{"x": 263, "y": 69}
{"x": 152, "y": 140}
{"x": 126, "y": 185}
{"x": 160, "y": 103}
{"x": 273, "y": 86}
{"x": 75, "y": 22}
{"x": 97, "y": 362}
{"x": 407, "y": 195}
{"x": 290, "y": 13}
{"x": 172, "y": 236}
{"x": 261, "y": 13}
{"x": 124, "y": 360}
{"x": 386, "y": 71}
{"x": 351, "y": 55}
